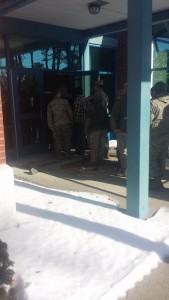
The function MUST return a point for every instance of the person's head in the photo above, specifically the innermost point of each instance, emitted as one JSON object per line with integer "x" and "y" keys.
{"x": 159, "y": 89}
{"x": 98, "y": 85}
{"x": 78, "y": 91}
{"x": 58, "y": 93}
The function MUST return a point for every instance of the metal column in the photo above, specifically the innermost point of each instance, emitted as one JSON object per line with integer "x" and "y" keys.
{"x": 138, "y": 111}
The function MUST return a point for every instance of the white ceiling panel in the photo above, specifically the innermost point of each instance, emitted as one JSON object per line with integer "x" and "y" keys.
{"x": 75, "y": 14}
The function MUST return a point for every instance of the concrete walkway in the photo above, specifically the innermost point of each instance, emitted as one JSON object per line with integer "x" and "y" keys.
{"x": 74, "y": 175}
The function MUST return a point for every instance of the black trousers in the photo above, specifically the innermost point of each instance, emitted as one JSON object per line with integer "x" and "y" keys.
{"x": 79, "y": 138}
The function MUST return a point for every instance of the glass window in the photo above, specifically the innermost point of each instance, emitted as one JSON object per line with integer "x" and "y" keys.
{"x": 161, "y": 75}
{"x": 38, "y": 59}
{"x": 21, "y": 51}
{"x": 50, "y": 58}
{"x": 57, "y": 58}
{"x": 34, "y": 53}
{"x": 102, "y": 59}
{"x": 2, "y": 60}
{"x": 29, "y": 95}
{"x": 161, "y": 30}
{"x": 161, "y": 53}
{"x": 75, "y": 61}
{"x": 22, "y": 60}
{"x": 2, "y": 53}
{"x": 30, "y": 131}
{"x": 94, "y": 58}
{"x": 5, "y": 98}
{"x": 6, "y": 108}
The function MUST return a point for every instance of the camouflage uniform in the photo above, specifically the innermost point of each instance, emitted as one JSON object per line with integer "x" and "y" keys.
{"x": 96, "y": 128}
{"x": 60, "y": 120}
{"x": 100, "y": 97}
{"x": 97, "y": 141}
{"x": 159, "y": 136}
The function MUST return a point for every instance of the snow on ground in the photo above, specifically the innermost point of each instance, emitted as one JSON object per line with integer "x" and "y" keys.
{"x": 76, "y": 245}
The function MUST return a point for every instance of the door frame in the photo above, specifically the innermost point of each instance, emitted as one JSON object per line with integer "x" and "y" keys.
{"x": 21, "y": 149}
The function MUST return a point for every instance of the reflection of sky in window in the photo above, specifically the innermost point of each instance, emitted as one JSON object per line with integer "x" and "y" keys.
{"x": 2, "y": 62}
{"x": 161, "y": 53}
{"x": 39, "y": 58}
{"x": 162, "y": 44}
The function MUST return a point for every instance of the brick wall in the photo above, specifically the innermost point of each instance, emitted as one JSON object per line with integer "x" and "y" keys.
{"x": 121, "y": 61}
{"x": 2, "y": 141}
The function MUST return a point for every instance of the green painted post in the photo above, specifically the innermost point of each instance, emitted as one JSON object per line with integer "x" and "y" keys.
{"x": 138, "y": 110}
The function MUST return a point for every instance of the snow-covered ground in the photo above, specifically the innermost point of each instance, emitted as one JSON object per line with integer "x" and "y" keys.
{"x": 76, "y": 245}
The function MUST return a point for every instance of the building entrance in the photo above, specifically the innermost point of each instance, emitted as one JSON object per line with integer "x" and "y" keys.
{"x": 32, "y": 91}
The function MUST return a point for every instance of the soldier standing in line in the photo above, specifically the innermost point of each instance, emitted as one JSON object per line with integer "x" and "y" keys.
{"x": 60, "y": 121}
{"x": 101, "y": 98}
{"x": 96, "y": 128}
{"x": 159, "y": 134}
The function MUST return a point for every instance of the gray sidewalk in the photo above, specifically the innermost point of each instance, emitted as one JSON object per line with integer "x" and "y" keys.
{"x": 74, "y": 175}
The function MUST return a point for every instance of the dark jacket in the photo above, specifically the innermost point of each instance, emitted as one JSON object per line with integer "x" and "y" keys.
{"x": 96, "y": 118}
{"x": 100, "y": 97}
{"x": 118, "y": 118}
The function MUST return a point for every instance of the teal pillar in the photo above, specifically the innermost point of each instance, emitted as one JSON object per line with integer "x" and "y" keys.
{"x": 138, "y": 110}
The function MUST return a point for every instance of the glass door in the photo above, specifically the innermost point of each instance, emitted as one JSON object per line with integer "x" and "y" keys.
{"x": 29, "y": 112}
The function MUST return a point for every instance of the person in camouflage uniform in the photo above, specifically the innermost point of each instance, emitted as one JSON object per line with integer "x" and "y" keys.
{"x": 100, "y": 96}
{"x": 60, "y": 121}
{"x": 159, "y": 134}
{"x": 96, "y": 128}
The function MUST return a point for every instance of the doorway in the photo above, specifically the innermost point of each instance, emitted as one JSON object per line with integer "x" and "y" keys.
{"x": 32, "y": 91}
